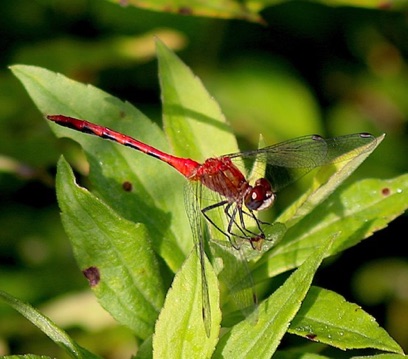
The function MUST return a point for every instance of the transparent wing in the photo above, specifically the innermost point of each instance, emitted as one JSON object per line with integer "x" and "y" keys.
{"x": 230, "y": 263}
{"x": 191, "y": 193}
{"x": 236, "y": 278}
{"x": 288, "y": 161}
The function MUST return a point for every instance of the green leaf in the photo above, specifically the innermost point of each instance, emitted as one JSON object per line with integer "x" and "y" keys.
{"x": 114, "y": 254}
{"x": 328, "y": 318}
{"x": 327, "y": 180}
{"x": 91, "y": 224}
{"x": 242, "y": 10}
{"x": 260, "y": 334}
{"x": 48, "y": 327}
{"x": 354, "y": 212}
{"x": 118, "y": 253}
{"x": 145, "y": 349}
{"x": 184, "y": 335}
{"x": 382, "y": 356}
{"x": 371, "y": 4}
{"x": 301, "y": 353}
{"x": 214, "y": 8}
{"x": 192, "y": 119}
{"x": 112, "y": 165}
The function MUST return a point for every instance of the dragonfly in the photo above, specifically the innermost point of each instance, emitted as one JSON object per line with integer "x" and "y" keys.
{"x": 239, "y": 199}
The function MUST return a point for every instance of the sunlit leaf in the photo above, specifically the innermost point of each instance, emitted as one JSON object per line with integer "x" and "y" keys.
{"x": 192, "y": 118}
{"x": 113, "y": 166}
{"x": 260, "y": 334}
{"x": 48, "y": 327}
{"x": 327, "y": 180}
{"x": 184, "y": 335}
{"x": 327, "y": 317}
{"x": 212, "y": 8}
{"x": 354, "y": 212}
{"x": 134, "y": 214}
{"x": 27, "y": 356}
{"x": 114, "y": 254}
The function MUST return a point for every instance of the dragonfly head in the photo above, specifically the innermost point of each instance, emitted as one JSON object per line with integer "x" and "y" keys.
{"x": 260, "y": 196}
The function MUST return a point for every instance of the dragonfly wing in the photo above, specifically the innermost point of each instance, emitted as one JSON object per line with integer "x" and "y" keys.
{"x": 237, "y": 281}
{"x": 230, "y": 263}
{"x": 345, "y": 147}
{"x": 288, "y": 161}
{"x": 192, "y": 192}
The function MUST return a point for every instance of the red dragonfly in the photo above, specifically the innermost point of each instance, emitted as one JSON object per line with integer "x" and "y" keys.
{"x": 284, "y": 163}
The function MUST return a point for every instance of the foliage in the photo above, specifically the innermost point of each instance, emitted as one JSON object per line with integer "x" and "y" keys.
{"x": 121, "y": 259}
{"x": 125, "y": 234}
{"x": 244, "y": 10}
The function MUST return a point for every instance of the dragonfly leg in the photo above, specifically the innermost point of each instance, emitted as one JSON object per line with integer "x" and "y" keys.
{"x": 209, "y": 208}
{"x": 251, "y": 236}
{"x": 229, "y": 234}
{"x": 232, "y": 220}
{"x": 246, "y": 233}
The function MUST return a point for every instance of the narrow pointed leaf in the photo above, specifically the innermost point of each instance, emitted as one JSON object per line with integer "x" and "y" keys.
{"x": 381, "y": 356}
{"x": 326, "y": 181}
{"x": 47, "y": 327}
{"x": 259, "y": 335}
{"x": 354, "y": 212}
{"x": 192, "y": 118}
{"x": 180, "y": 331}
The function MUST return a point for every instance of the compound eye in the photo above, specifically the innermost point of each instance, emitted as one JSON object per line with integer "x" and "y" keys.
{"x": 260, "y": 196}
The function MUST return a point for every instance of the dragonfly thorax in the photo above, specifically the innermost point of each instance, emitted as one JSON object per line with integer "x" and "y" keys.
{"x": 260, "y": 196}
{"x": 222, "y": 176}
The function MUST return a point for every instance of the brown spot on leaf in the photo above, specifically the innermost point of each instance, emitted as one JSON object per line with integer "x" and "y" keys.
{"x": 311, "y": 336}
{"x": 127, "y": 186}
{"x": 93, "y": 275}
{"x": 185, "y": 11}
{"x": 386, "y": 5}
{"x": 385, "y": 191}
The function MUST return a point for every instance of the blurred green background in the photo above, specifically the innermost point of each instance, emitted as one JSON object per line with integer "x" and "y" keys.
{"x": 310, "y": 69}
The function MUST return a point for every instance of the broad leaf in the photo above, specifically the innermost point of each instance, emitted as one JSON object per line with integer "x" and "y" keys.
{"x": 114, "y": 254}
{"x": 113, "y": 166}
{"x": 354, "y": 212}
{"x": 327, "y": 317}
{"x": 135, "y": 214}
